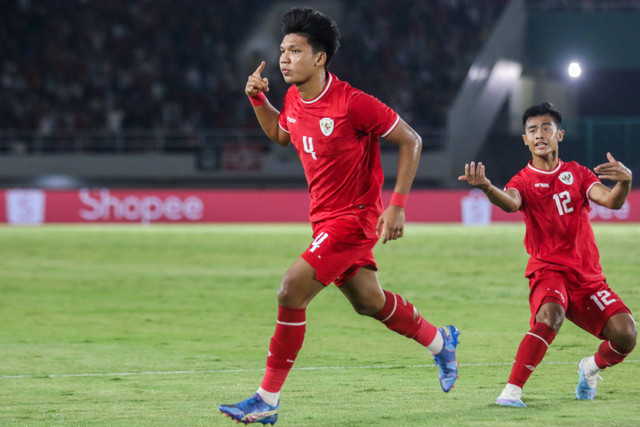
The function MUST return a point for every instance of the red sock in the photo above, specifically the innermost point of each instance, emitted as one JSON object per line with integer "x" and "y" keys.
{"x": 532, "y": 349}
{"x": 609, "y": 354}
{"x": 285, "y": 344}
{"x": 400, "y": 316}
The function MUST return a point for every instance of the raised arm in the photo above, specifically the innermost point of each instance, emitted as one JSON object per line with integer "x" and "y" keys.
{"x": 508, "y": 201}
{"x": 612, "y": 198}
{"x": 409, "y": 143}
{"x": 265, "y": 112}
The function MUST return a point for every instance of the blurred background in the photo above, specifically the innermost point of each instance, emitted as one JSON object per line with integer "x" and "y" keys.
{"x": 150, "y": 94}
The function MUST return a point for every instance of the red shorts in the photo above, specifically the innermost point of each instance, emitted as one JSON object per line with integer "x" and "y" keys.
{"x": 588, "y": 305}
{"x": 340, "y": 247}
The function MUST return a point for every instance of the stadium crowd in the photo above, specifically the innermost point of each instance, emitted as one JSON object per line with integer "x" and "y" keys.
{"x": 141, "y": 64}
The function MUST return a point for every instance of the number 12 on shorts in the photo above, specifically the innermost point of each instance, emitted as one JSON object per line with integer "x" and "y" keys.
{"x": 601, "y": 298}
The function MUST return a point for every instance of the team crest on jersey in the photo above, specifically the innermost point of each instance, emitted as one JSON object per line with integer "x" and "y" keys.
{"x": 326, "y": 126}
{"x": 566, "y": 177}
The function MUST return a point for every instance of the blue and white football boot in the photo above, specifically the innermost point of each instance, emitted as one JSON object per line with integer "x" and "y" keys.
{"x": 252, "y": 410}
{"x": 518, "y": 403}
{"x": 587, "y": 382}
{"x": 511, "y": 396}
{"x": 446, "y": 359}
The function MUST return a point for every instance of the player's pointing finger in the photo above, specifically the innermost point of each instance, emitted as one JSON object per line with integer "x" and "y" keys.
{"x": 258, "y": 70}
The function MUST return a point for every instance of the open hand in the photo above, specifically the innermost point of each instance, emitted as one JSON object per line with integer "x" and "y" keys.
{"x": 475, "y": 176}
{"x": 613, "y": 170}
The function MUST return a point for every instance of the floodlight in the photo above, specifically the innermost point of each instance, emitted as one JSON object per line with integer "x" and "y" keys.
{"x": 574, "y": 70}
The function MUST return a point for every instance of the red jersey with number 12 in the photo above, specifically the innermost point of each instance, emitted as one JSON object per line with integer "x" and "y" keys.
{"x": 555, "y": 206}
{"x": 336, "y": 136}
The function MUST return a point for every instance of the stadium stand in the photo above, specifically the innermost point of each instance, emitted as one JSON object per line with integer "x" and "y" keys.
{"x": 113, "y": 65}
{"x": 84, "y": 78}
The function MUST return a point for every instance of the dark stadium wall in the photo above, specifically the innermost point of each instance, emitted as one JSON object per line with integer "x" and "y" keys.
{"x": 603, "y": 39}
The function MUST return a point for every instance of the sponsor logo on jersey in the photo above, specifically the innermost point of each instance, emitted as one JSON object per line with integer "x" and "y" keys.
{"x": 326, "y": 126}
{"x": 566, "y": 178}
{"x": 542, "y": 184}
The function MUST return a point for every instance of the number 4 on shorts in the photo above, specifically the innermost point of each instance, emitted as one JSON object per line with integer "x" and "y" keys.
{"x": 318, "y": 241}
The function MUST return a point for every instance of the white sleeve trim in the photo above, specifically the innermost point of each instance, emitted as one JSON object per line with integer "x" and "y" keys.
{"x": 393, "y": 126}
{"x": 280, "y": 126}
{"x": 590, "y": 187}
{"x": 514, "y": 189}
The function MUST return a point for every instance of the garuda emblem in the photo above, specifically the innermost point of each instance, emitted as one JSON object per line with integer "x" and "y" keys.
{"x": 326, "y": 126}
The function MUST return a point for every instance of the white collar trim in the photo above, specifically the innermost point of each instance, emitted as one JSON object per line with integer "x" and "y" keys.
{"x": 530, "y": 166}
{"x": 326, "y": 88}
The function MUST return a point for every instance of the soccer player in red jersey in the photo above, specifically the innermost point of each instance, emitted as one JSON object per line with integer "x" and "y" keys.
{"x": 564, "y": 272}
{"x": 335, "y": 129}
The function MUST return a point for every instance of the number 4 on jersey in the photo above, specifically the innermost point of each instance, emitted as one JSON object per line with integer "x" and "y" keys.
{"x": 307, "y": 144}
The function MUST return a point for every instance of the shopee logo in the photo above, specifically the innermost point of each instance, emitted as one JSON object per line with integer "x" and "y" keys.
{"x": 25, "y": 206}
{"x": 604, "y": 213}
{"x": 104, "y": 206}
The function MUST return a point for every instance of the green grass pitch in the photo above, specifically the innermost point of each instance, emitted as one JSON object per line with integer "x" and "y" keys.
{"x": 158, "y": 325}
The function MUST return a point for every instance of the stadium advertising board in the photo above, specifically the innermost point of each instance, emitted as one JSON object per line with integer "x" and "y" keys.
{"x": 37, "y": 206}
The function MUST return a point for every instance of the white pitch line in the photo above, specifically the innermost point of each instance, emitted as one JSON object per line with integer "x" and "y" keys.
{"x": 231, "y": 371}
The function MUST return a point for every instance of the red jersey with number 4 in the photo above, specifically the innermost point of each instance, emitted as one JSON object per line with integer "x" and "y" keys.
{"x": 336, "y": 136}
{"x": 555, "y": 206}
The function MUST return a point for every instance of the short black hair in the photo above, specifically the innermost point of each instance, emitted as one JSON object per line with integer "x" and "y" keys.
{"x": 541, "y": 110}
{"x": 321, "y": 31}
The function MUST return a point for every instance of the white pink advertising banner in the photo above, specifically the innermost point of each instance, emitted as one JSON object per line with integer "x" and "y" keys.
{"x": 35, "y": 206}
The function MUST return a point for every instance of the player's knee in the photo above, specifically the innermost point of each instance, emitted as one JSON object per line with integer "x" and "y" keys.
{"x": 287, "y": 296}
{"x": 621, "y": 329}
{"x": 627, "y": 337}
{"x": 631, "y": 341}
{"x": 551, "y": 315}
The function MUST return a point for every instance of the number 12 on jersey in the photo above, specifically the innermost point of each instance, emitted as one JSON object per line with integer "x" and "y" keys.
{"x": 562, "y": 202}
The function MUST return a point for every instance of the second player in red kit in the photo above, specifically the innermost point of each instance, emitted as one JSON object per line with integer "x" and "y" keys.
{"x": 564, "y": 272}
